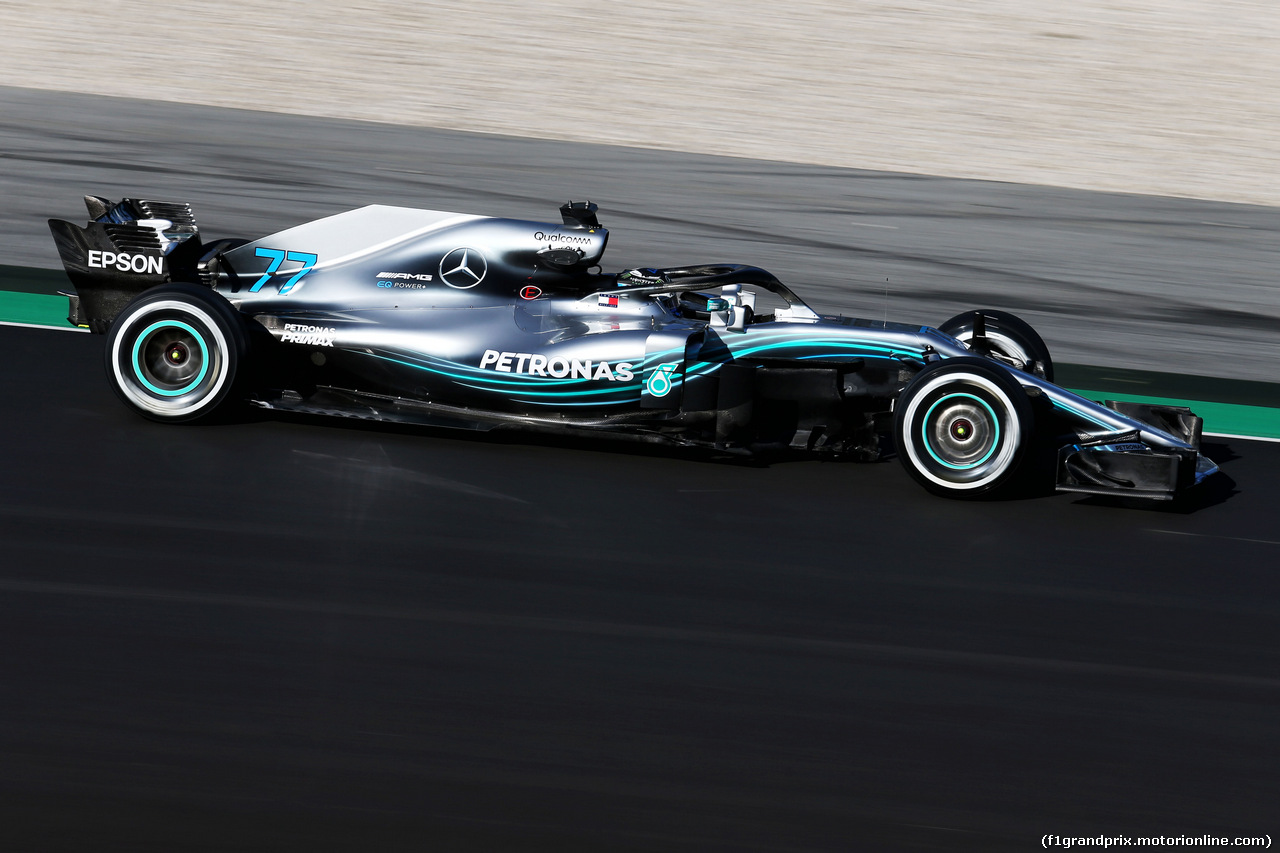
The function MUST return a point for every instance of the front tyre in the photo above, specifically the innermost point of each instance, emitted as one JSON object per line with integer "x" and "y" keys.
{"x": 174, "y": 352}
{"x": 1005, "y": 337}
{"x": 962, "y": 427}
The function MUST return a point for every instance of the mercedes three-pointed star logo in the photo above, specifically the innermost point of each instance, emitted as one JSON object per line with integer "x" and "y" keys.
{"x": 463, "y": 268}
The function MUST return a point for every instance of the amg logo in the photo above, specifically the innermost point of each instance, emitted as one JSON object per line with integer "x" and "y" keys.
{"x": 533, "y": 364}
{"x": 316, "y": 336}
{"x": 125, "y": 262}
{"x": 406, "y": 276}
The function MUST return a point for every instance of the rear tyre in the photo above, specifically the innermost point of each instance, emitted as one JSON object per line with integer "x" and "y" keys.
{"x": 1008, "y": 339}
{"x": 962, "y": 427}
{"x": 174, "y": 352}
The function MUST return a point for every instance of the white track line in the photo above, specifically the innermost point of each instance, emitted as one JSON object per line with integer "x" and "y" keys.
{"x": 1243, "y": 437}
{"x": 39, "y": 326}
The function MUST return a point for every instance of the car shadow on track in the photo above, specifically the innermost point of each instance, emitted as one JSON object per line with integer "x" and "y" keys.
{"x": 1035, "y": 484}
{"x": 527, "y": 437}
{"x": 1216, "y": 490}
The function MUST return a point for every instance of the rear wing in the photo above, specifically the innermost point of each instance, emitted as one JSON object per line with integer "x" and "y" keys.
{"x": 124, "y": 249}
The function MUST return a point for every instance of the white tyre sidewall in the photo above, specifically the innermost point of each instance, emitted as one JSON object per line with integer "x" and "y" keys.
{"x": 219, "y": 349}
{"x": 1011, "y": 432}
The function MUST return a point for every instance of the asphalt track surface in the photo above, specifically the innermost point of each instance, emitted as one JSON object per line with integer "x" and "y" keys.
{"x": 1128, "y": 281}
{"x": 271, "y": 631}
{"x": 302, "y": 633}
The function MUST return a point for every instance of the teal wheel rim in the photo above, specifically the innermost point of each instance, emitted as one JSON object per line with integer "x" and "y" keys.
{"x": 170, "y": 358}
{"x": 966, "y": 431}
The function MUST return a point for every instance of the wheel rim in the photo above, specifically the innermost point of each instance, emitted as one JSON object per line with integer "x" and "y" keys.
{"x": 960, "y": 432}
{"x": 170, "y": 358}
{"x": 998, "y": 344}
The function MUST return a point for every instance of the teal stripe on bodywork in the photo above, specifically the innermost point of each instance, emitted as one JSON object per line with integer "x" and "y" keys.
{"x": 1231, "y": 407}
{"x": 843, "y": 347}
{"x": 1082, "y": 413}
{"x": 526, "y": 386}
{"x": 549, "y": 389}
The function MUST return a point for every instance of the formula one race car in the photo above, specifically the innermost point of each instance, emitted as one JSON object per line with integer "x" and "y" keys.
{"x": 454, "y": 320}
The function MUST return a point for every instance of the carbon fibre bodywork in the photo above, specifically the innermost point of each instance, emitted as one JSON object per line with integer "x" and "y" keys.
{"x": 477, "y": 322}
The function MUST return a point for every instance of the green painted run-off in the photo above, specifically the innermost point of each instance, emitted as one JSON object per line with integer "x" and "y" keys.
{"x": 34, "y": 309}
{"x": 1219, "y": 418}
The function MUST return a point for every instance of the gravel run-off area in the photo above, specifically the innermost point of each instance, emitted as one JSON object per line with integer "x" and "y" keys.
{"x": 1165, "y": 97}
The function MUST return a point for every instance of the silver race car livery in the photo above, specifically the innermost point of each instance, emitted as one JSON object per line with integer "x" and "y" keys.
{"x": 455, "y": 320}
